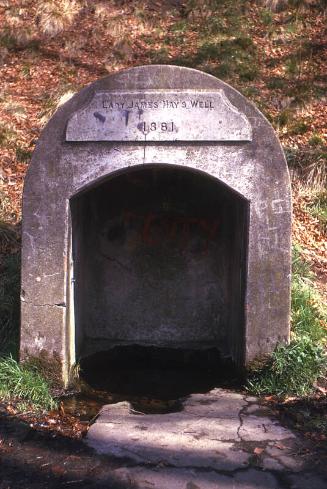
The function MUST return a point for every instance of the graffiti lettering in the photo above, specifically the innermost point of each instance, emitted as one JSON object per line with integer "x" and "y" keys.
{"x": 176, "y": 229}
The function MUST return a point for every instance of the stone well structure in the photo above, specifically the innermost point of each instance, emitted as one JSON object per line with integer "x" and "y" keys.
{"x": 156, "y": 211}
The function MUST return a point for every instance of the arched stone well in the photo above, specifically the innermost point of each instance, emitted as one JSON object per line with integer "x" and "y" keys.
{"x": 156, "y": 212}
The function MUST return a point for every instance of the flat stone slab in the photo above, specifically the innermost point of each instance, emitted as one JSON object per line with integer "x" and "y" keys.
{"x": 262, "y": 428}
{"x": 142, "y": 478}
{"x": 202, "y": 435}
{"x": 211, "y": 444}
{"x": 207, "y": 433}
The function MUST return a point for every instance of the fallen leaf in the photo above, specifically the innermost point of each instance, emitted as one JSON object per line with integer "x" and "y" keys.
{"x": 258, "y": 450}
{"x": 280, "y": 446}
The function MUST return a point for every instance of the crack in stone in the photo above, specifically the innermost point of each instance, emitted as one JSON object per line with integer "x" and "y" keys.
{"x": 240, "y": 414}
{"x": 114, "y": 260}
{"x": 59, "y": 304}
{"x": 144, "y": 148}
{"x": 281, "y": 477}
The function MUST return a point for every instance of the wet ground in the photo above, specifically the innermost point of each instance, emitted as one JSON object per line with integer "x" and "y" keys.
{"x": 160, "y": 426}
{"x": 32, "y": 457}
{"x": 252, "y": 451}
{"x": 152, "y": 380}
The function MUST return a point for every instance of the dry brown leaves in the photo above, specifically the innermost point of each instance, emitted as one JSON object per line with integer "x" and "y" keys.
{"x": 112, "y": 35}
{"x": 56, "y": 422}
{"x": 308, "y": 233}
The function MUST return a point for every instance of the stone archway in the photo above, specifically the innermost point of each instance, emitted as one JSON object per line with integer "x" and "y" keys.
{"x": 148, "y": 117}
{"x": 160, "y": 260}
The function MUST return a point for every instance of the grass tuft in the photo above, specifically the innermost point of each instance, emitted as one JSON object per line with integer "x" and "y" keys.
{"x": 318, "y": 209}
{"x": 23, "y": 383}
{"x": 292, "y": 369}
{"x": 54, "y": 16}
{"x": 308, "y": 165}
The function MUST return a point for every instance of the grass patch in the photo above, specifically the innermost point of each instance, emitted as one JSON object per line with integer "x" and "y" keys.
{"x": 284, "y": 118}
{"x": 276, "y": 83}
{"x": 292, "y": 369}
{"x": 318, "y": 209}
{"x": 159, "y": 55}
{"x": 23, "y": 383}
{"x": 23, "y": 155}
{"x": 299, "y": 127}
{"x": 7, "y": 136}
{"x": 266, "y": 16}
{"x": 293, "y": 66}
{"x": 308, "y": 165}
{"x": 316, "y": 140}
{"x": 229, "y": 56}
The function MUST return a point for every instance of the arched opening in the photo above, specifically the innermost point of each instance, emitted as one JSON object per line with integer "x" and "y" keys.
{"x": 159, "y": 258}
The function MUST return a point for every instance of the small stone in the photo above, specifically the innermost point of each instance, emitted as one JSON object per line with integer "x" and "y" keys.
{"x": 251, "y": 399}
{"x": 271, "y": 464}
{"x": 292, "y": 463}
{"x": 252, "y": 409}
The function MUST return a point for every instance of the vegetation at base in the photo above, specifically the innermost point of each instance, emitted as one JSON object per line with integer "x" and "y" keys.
{"x": 294, "y": 368}
{"x": 21, "y": 382}
{"x": 318, "y": 208}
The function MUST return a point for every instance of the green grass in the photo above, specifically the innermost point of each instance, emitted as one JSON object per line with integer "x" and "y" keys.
{"x": 292, "y": 369}
{"x": 238, "y": 55}
{"x": 19, "y": 382}
{"x": 308, "y": 165}
{"x": 7, "y": 136}
{"x": 318, "y": 209}
{"x": 316, "y": 140}
{"x": 298, "y": 127}
{"x": 276, "y": 83}
{"x": 23, "y": 383}
{"x": 23, "y": 155}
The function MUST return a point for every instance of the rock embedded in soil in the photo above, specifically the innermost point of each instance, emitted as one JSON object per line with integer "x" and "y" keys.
{"x": 202, "y": 435}
{"x": 213, "y": 443}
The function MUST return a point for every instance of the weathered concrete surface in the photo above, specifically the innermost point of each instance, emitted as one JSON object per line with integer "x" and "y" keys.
{"x": 188, "y": 479}
{"x": 60, "y": 170}
{"x": 212, "y": 443}
{"x": 130, "y": 116}
{"x": 160, "y": 267}
{"x": 259, "y": 428}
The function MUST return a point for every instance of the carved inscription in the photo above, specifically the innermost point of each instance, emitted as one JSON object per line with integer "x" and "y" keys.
{"x": 159, "y": 115}
{"x": 266, "y": 210}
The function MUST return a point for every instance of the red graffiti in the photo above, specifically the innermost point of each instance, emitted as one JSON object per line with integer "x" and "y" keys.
{"x": 177, "y": 229}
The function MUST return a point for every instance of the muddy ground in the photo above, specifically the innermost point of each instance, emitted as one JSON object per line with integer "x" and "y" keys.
{"x": 47, "y": 450}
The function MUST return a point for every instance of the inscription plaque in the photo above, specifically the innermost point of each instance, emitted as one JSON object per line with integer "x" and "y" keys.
{"x": 159, "y": 115}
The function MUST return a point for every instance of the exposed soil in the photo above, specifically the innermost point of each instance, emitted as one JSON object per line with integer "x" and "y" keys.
{"x": 46, "y": 451}
{"x": 37, "y": 454}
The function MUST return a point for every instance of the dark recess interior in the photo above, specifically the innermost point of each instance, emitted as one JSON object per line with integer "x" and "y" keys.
{"x": 159, "y": 267}
{"x": 132, "y": 372}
